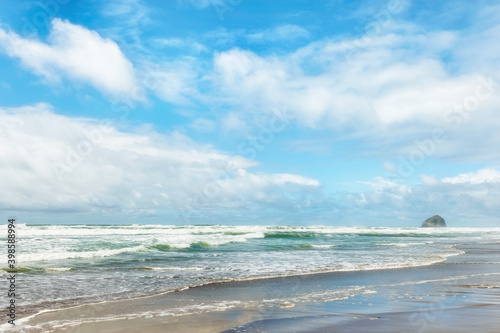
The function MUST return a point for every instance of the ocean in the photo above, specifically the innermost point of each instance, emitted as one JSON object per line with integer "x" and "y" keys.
{"x": 60, "y": 266}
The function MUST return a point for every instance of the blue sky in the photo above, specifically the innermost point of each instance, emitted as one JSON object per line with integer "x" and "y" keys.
{"x": 250, "y": 112}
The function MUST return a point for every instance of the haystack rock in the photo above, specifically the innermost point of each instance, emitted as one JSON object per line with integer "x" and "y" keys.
{"x": 434, "y": 222}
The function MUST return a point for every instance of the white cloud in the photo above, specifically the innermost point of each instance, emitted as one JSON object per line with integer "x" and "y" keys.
{"x": 388, "y": 89}
{"x": 125, "y": 22}
{"x": 467, "y": 199}
{"x": 75, "y": 53}
{"x": 180, "y": 43}
{"x": 174, "y": 82}
{"x": 132, "y": 10}
{"x": 480, "y": 177}
{"x": 285, "y": 32}
{"x": 286, "y": 178}
{"x": 383, "y": 82}
{"x": 248, "y": 80}
{"x": 232, "y": 122}
{"x": 203, "y": 125}
{"x": 59, "y": 163}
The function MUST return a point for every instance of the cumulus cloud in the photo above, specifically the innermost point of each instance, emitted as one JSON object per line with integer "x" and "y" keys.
{"x": 384, "y": 82}
{"x": 58, "y": 163}
{"x": 73, "y": 52}
{"x": 389, "y": 89}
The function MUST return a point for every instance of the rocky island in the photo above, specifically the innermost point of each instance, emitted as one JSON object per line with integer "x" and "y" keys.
{"x": 434, "y": 222}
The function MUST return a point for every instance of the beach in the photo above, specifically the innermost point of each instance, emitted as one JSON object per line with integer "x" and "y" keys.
{"x": 461, "y": 294}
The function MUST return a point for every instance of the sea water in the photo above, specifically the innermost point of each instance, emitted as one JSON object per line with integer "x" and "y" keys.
{"x": 66, "y": 265}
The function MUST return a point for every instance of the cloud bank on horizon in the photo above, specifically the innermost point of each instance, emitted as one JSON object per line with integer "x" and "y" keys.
{"x": 220, "y": 111}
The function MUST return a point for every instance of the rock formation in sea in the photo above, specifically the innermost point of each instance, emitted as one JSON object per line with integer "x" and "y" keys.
{"x": 434, "y": 222}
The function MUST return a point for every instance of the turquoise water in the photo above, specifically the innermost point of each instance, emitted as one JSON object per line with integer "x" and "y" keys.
{"x": 60, "y": 266}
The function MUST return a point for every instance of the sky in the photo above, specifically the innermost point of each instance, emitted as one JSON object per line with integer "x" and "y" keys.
{"x": 332, "y": 112}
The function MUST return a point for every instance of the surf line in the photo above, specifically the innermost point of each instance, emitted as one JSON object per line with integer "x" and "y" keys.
{"x": 11, "y": 264}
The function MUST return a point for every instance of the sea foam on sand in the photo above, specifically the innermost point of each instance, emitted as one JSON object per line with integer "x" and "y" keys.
{"x": 460, "y": 294}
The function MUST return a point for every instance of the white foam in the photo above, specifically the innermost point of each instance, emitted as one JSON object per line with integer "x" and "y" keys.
{"x": 175, "y": 268}
{"x": 58, "y": 269}
{"x": 46, "y": 256}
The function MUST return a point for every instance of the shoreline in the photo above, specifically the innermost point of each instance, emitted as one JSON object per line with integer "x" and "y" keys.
{"x": 264, "y": 302}
{"x": 263, "y": 278}
{"x": 247, "y": 279}
{"x": 137, "y": 264}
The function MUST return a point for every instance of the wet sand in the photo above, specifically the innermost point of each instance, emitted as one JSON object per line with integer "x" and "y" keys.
{"x": 459, "y": 295}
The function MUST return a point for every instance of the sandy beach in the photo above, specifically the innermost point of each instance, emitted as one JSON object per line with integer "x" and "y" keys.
{"x": 461, "y": 294}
